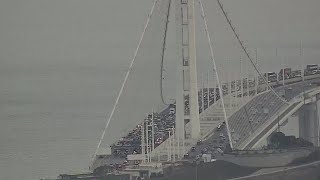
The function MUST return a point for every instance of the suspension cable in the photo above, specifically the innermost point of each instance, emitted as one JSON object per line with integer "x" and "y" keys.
{"x": 216, "y": 72}
{"x": 163, "y": 53}
{"x": 246, "y": 51}
{"x": 125, "y": 80}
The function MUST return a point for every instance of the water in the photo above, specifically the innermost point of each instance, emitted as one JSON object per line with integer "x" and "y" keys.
{"x": 50, "y": 123}
{"x": 61, "y": 65}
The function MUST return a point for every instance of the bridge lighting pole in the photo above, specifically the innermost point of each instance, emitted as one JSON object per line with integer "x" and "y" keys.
{"x": 208, "y": 89}
{"x": 302, "y": 60}
{"x": 202, "y": 92}
{"x": 283, "y": 66}
{"x": 248, "y": 73}
{"x": 238, "y": 91}
{"x": 152, "y": 130}
{"x": 215, "y": 91}
{"x": 267, "y": 81}
{"x": 147, "y": 140}
{"x": 283, "y": 71}
{"x": 241, "y": 80}
{"x": 178, "y": 145}
{"x": 231, "y": 95}
{"x": 229, "y": 90}
{"x": 169, "y": 147}
{"x": 318, "y": 127}
{"x": 183, "y": 147}
{"x": 174, "y": 145}
{"x": 257, "y": 77}
{"x": 248, "y": 87}
{"x": 142, "y": 143}
{"x": 235, "y": 77}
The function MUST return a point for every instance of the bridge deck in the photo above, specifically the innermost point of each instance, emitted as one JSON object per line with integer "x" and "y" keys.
{"x": 252, "y": 115}
{"x": 255, "y": 114}
{"x": 245, "y": 120}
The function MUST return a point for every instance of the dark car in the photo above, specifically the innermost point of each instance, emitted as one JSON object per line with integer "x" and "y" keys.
{"x": 193, "y": 149}
{"x": 199, "y": 142}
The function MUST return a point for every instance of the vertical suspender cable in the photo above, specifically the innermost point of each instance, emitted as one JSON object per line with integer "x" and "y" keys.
{"x": 248, "y": 74}
{"x": 246, "y": 52}
{"x": 147, "y": 139}
{"x": 202, "y": 92}
{"x": 152, "y": 130}
{"x": 208, "y": 89}
{"x": 143, "y": 142}
{"x": 302, "y": 60}
{"x": 256, "y": 79}
{"x": 216, "y": 72}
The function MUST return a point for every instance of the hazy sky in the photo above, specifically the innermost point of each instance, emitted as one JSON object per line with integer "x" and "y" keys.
{"x": 73, "y": 31}
{"x": 268, "y": 24}
{"x": 62, "y": 63}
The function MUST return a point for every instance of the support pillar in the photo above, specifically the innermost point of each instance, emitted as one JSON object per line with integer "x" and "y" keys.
{"x": 309, "y": 122}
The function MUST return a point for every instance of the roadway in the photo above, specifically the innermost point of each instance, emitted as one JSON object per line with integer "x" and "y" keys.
{"x": 212, "y": 143}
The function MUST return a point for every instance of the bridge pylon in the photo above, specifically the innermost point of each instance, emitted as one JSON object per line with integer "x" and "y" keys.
{"x": 187, "y": 90}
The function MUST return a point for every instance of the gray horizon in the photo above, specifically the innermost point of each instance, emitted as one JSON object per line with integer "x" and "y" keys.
{"x": 63, "y": 62}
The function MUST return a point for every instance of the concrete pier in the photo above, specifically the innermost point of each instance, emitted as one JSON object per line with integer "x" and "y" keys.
{"x": 309, "y": 122}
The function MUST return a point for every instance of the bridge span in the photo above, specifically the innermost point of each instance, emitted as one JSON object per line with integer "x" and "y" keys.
{"x": 251, "y": 118}
{"x": 301, "y": 96}
{"x": 253, "y": 122}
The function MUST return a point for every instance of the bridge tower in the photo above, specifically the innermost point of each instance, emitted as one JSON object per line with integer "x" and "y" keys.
{"x": 187, "y": 89}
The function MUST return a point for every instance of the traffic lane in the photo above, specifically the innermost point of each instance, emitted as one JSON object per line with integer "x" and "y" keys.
{"x": 295, "y": 89}
{"x": 211, "y": 144}
{"x": 214, "y": 141}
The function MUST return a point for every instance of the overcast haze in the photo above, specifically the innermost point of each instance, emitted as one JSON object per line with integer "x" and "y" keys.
{"x": 62, "y": 62}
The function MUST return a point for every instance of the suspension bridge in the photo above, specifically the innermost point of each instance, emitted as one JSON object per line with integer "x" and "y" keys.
{"x": 235, "y": 105}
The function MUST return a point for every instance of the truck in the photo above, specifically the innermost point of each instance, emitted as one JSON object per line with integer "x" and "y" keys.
{"x": 286, "y": 72}
{"x": 270, "y": 76}
{"x": 296, "y": 73}
{"x": 311, "y": 69}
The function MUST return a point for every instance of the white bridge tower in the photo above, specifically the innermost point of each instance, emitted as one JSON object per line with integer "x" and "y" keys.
{"x": 187, "y": 89}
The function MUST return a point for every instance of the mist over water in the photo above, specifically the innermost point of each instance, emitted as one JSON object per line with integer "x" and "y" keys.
{"x": 62, "y": 63}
